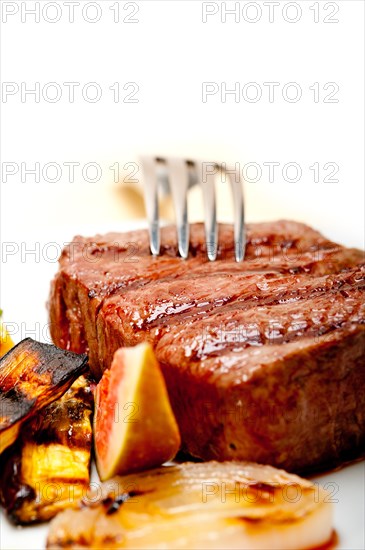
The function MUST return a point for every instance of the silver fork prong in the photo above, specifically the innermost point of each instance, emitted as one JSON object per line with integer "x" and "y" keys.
{"x": 193, "y": 174}
{"x": 179, "y": 180}
{"x": 176, "y": 176}
{"x": 239, "y": 215}
{"x": 151, "y": 201}
{"x": 162, "y": 176}
{"x": 207, "y": 179}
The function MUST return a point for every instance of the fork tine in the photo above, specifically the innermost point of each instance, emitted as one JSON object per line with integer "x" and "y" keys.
{"x": 239, "y": 215}
{"x": 210, "y": 212}
{"x": 179, "y": 180}
{"x": 177, "y": 176}
{"x": 151, "y": 201}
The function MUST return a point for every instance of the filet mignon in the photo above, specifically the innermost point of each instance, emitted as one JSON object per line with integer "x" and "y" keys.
{"x": 264, "y": 360}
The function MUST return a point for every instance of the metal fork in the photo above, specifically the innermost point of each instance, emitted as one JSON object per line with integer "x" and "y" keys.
{"x": 176, "y": 176}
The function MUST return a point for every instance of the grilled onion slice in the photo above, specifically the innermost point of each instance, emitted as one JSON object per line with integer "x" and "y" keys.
{"x": 47, "y": 469}
{"x": 204, "y": 505}
{"x": 33, "y": 375}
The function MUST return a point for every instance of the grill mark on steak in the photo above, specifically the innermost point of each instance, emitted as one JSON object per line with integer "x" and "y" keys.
{"x": 268, "y": 325}
{"x": 271, "y": 246}
{"x": 270, "y": 309}
{"x": 329, "y": 257}
{"x": 259, "y": 294}
{"x": 320, "y": 257}
{"x": 191, "y": 276}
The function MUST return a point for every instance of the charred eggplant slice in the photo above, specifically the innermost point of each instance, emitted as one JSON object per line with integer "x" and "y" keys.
{"x": 33, "y": 375}
{"x": 48, "y": 468}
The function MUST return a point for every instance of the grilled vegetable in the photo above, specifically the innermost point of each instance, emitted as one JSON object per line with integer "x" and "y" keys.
{"x": 135, "y": 428}
{"x": 33, "y": 375}
{"x": 47, "y": 469}
{"x": 206, "y": 505}
{"x": 6, "y": 342}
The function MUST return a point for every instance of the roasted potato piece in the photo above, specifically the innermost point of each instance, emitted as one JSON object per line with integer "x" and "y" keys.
{"x": 47, "y": 469}
{"x": 33, "y": 375}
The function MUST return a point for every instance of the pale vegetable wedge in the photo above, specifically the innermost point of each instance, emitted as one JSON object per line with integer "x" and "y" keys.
{"x": 206, "y": 505}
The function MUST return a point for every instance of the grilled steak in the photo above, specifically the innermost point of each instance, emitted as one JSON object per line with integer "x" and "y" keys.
{"x": 264, "y": 359}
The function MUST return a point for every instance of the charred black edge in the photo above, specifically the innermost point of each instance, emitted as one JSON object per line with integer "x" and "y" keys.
{"x": 112, "y": 505}
{"x": 43, "y": 426}
{"x": 14, "y": 348}
{"x": 63, "y": 366}
{"x": 50, "y": 353}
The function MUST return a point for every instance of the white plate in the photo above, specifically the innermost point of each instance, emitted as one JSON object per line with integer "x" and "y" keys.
{"x": 26, "y": 277}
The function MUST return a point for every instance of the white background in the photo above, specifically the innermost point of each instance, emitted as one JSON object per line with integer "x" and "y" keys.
{"x": 169, "y": 53}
